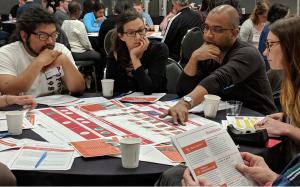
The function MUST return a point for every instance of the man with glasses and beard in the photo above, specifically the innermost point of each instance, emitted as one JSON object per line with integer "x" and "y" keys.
{"x": 223, "y": 66}
{"x": 35, "y": 64}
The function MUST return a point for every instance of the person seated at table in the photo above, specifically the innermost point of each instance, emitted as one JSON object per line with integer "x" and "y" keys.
{"x": 139, "y": 7}
{"x": 256, "y": 169}
{"x": 48, "y": 5}
{"x": 61, "y": 11}
{"x": 184, "y": 20}
{"x": 276, "y": 11}
{"x": 164, "y": 23}
{"x": 223, "y": 66}
{"x": 93, "y": 20}
{"x": 78, "y": 38}
{"x": 110, "y": 23}
{"x": 251, "y": 28}
{"x": 282, "y": 53}
{"x": 35, "y": 64}
{"x": 28, "y": 4}
{"x": 136, "y": 63}
{"x": 87, "y": 7}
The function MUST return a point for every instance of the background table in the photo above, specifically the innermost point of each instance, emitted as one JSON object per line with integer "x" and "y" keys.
{"x": 108, "y": 170}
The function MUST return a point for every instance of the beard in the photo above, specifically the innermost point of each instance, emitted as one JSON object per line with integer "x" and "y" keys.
{"x": 34, "y": 53}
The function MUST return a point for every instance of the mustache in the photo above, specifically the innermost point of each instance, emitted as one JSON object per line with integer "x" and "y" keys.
{"x": 48, "y": 47}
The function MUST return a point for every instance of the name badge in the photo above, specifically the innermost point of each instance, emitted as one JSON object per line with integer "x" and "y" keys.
{"x": 57, "y": 72}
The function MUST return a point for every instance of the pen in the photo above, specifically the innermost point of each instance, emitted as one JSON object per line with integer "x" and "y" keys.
{"x": 43, "y": 156}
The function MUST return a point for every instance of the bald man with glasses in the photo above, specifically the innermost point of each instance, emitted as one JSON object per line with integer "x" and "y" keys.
{"x": 223, "y": 66}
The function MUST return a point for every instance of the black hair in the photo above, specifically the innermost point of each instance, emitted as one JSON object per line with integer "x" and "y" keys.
{"x": 30, "y": 20}
{"x": 73, "y": 7}
{"x": 122, "y": 6}
{"x": 277, "y": 11}
{"x": 118, "y": 45}
{"x": 98, "y": 6}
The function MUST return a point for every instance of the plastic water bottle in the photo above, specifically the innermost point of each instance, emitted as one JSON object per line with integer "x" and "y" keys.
{"x": 10, "y": 17}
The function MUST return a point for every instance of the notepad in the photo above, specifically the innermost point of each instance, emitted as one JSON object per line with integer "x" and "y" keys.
{"x": 139, "y": 97}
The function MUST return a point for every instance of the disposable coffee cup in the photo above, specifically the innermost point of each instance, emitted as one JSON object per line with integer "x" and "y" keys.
{"x": 156, "y": 28}
{"x": 107, "y": 87}
{"x": 15, "y": 122}
{"x": 130, "y": 152}
{"x": 233, "y": 108}
{"x": 211, "y": 105}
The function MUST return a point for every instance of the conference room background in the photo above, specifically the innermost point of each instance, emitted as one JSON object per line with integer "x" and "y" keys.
{"x": 155, "y": 5}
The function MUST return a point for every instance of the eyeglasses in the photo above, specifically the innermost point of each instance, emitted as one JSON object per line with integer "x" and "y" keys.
{"x": 44, "y": 36}
{"x": 141, "y": 32}
{"x": 214, "y": 30}
{"x": 269, "y": 45}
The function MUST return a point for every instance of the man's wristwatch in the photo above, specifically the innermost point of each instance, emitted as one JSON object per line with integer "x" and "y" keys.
{"x": 189, "y": 100}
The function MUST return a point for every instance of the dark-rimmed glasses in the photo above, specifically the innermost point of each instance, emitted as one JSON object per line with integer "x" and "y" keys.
{"x": 269, "y": 45}
{"x": 215, "y": 30}
{"x": 141, "y": 32}
{"x": 44, "y": 36}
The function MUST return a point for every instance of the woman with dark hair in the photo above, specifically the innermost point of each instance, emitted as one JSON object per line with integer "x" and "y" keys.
{"x": 135, "y": 63}
{"x": 93, "y": 20}
{"x": 277, "y": 11}
{"x": 251, "y": 29}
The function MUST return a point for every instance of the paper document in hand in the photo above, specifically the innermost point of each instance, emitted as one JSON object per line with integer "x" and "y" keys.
{"x": 139, "y": 97}
{"x": 57, "y": 100}
{"x": 58, "y": 158}
{"x": 98, "y": 147}
{"x": 210, "y": 152}
{"x": 245, "y": 123}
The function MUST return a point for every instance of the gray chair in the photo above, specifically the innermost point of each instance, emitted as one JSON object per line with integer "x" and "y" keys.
{"x": 108, "y": 41}
{"x": 173, "y": 72}
{"x": 192, "y": 40}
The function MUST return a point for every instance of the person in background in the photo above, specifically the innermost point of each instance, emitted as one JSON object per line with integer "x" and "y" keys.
{"x": 48, "y": 5}
{"x": 110, "y": 23}
{"x": 135, "y": 63}
{"x": 14, "y": 9}
{"x": 88, "y": 6}
{"x": 139, "y": 7}
{"x": 283, "y": 34}
{"x": 28, "y": 4}
{"x": 36, "y": 64}
{"x": 223, "y": 66}
{"x": 163, "y": 25}
{"x": 276, "y": 11}
{"x": 184, "y": 20}
{"x": 78, "y": 38}
{"x": 61, "y": 11}
{"x": 251, "y": 29}
{"x": 94, "y": 20}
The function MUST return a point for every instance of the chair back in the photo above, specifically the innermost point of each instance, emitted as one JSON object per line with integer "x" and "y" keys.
{"x": 173, "y": 72}
{"x": 108, "y": 41}
{"x": 192, "y": 40}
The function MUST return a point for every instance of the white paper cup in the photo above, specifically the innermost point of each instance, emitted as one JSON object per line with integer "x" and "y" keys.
{"x": 233, "y": 108}
{"x": 107, "y": 87}
{"x": 130, "y": 151}
{"x": 156, "y": 28}
{"x": 15, "y": 122}
{"x": 211, "y": 105}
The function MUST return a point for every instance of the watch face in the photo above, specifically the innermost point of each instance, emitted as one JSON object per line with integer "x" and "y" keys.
{"x": 187, "y": 98}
